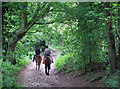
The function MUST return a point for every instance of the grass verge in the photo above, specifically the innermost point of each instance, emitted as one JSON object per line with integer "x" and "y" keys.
{"x": 10, "y": 72}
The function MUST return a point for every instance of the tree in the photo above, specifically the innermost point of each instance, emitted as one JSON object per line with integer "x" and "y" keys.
{"x": 111, "y": 39}
{"x": 25, "y": 25}
{"x": 25, "y": 20}
{"x": 119, "y": 33}
{"x": 16, "y": 23}
{"x": 0, "y": 31}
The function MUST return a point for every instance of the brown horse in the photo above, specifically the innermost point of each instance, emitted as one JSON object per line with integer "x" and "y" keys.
{"x": 38, "y": 59}
{"x": 47, "y": 62}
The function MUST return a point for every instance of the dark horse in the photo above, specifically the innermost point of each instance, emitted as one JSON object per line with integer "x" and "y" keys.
{"x": 38, "y": 59}
{"x": 47, "y": 62}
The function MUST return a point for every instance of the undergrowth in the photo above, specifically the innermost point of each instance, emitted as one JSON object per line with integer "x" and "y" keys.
{"x": 62, "y": 61}
{"x": 0, "y": 73}
{"x": 112, "y": 80}
{"x": 67, "y": 63}
{"x": 24, "y": 61}
{"x": 9, "y": 72}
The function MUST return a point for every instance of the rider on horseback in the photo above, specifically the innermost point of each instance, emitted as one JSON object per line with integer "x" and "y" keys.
{"x": 37, "y": 52}
{"x": 47, "y": 52}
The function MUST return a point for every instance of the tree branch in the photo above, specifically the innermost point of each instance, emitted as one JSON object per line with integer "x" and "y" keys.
{"x": 36, "y": 16}
{"x": 45, "y": 23}
{"x": 23, "y": 30}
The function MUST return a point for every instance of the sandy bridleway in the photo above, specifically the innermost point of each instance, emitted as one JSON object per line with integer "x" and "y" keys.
{"x": 31, "y": 77}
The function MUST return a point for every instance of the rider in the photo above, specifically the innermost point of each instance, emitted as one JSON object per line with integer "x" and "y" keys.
{"x": 37, "y": 52}
{"x": 47, "y": 52}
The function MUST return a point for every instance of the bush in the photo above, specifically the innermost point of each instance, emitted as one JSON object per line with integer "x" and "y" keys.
{"x": 62, "y": 61}
{"x": 0, "y": 74}
{"x": 24, "y": 61}
{"x": 8, "y": 74}
{"x": 10, "y": 71}
{"x": 112, "y": 80}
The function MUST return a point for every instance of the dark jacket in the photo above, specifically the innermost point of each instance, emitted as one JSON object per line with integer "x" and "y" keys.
{"x": 37, "y": 51}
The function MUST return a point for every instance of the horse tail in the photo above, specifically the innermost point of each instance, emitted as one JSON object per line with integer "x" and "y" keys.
{"x": 48, "y": 62}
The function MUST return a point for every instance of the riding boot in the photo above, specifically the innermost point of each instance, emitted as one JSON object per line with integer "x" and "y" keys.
{"x": 52, "y": 61}
{"x": 46, "y": 71}
{"x": 33, "y": 59}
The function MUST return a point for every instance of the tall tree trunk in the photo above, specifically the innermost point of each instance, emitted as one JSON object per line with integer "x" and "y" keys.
{"x": 0, "y": 30}
{"x": 111, "y": 40}
{"x": 119, "y": 34}
{"x": 0, "y": 44}
{"x": 19, "y": 35}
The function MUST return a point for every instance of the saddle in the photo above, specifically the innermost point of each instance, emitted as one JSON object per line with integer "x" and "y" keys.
{"x": 37, "y": 56}
{"x": 46, "y": 59}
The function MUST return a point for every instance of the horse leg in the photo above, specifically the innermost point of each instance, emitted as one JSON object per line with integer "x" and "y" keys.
{"x": 39, "y": 65}
{"x": 48, "y": 68}
{"x": 36, "y": 64}
{"x": 46, "y": 71}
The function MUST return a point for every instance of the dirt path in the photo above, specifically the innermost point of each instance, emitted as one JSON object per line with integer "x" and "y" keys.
{"x": 30, "y": 77}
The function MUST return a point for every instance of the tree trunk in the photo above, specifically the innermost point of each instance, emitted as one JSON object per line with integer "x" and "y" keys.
{"x": 85, "y": 69}
{"x": 119, "y": 34}
{"x": 12, "y": 44}
{"x": 0, "y": 44}
{"x": 18, "y": 36}
{"x": 0, "y": 30}
{"x": 111, "y": 40}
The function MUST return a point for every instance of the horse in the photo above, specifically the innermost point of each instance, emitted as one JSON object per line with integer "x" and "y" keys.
{"x": 47, "y": 62}
{"x": 38, "y": 59}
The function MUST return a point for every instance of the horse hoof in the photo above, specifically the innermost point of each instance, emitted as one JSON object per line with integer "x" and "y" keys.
{"x": 47, "y": 73}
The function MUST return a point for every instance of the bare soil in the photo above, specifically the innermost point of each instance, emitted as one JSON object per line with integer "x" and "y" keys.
{"x": 31, "y": 77}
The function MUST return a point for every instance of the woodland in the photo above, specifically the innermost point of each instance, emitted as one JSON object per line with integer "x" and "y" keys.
{"x": 87, "y": 33}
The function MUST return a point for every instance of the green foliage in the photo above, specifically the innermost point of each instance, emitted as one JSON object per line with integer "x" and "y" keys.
{"x": 1, "y": 73}
{"x": 24, "y": 61}
{"x": 9, "y": 72}
{"x": 21, "y": 54}
{"x": 76, "y": 28}
{"x": 8, "y": 75}
{"x": 92, "y": 77}
{"x": 62, "y": 61}
{"x": 112, "y": 80}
